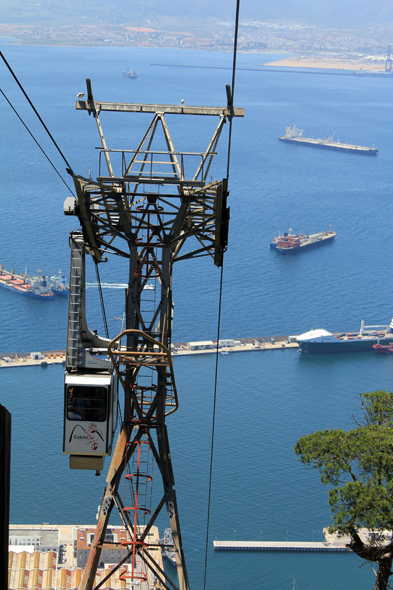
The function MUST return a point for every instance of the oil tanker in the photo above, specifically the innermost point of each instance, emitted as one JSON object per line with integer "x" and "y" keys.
{"x": 295, "y": 135}
{"x": 290, "y": 243}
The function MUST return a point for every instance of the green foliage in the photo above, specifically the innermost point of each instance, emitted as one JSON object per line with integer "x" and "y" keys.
{"x": 357, "y": 465}
{"x": 377, "y": 408}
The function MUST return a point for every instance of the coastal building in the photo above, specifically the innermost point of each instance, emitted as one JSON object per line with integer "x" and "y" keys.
{"x": 112, "y": 552}
{"x": 54, "y": 556}
{"x": 202, "y": 345}
{"x": 226, "y": 343}
{"x": 29, "y": 571}
{"x": 32, "y": 539}
{"x": 36, "y": 356}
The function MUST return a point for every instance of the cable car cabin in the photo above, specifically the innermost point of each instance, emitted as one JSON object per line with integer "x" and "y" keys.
{"x": 90, "y": 418}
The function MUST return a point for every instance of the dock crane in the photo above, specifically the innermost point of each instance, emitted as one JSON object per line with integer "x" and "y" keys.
{"x": 147, "y": 208}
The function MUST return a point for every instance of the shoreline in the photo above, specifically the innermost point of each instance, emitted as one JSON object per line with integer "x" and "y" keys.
{"x": 326, "y": 64}
{"x": 295, "y": 61}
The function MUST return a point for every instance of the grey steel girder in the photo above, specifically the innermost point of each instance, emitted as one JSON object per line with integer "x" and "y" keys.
{"x": 98, "y": 106}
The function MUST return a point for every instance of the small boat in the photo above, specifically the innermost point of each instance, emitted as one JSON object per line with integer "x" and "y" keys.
{"x": 149, "y": 287}
{"x": 383, "y": 349}
{"x": 130, "y": 74}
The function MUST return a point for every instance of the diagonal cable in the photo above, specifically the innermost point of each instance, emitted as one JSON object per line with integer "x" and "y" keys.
{"x": 28, "y": 130}
{"x": 219, "y": 305}
{"x": 213, "y": 425}
{"x": 34, "y": 109}
{"x": 233, "y": 82}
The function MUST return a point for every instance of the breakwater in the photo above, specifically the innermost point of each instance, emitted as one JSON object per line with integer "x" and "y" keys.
{"x": 287, "y": 70}
{"x": 31, "y": 359}
{"x": 56, "y": 357}
{"x": 279, "y": 546}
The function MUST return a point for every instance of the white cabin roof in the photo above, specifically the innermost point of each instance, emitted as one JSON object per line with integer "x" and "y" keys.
{"x": 318, "y": 335}
{"x": 97, "y": 379}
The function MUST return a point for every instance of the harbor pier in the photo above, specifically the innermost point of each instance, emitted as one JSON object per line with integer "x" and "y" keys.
{"x": 279, "y": 546}
{"x": 56, "y": 357}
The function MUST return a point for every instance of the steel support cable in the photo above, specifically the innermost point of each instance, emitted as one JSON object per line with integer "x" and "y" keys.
{"x": 42, "y": 150}
{"x": 35, "y": 110}
{"x": 233, "y": 83}
{"x": 220, "y": 301}
{"x": 101, "y": 299}
{"x": 213, "y": 426}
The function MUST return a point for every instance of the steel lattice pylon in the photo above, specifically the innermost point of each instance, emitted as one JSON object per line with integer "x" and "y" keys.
{"x": 147, "y": 213}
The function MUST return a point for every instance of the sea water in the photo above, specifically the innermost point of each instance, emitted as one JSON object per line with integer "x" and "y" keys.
{"x": 266, "y": 400}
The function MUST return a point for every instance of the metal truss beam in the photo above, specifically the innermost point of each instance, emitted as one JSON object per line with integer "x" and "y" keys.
{"x": 97, "y": 106}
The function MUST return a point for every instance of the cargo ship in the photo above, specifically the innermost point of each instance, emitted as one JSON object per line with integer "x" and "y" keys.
{"x": 59, "y": 285}
{"x": 169, "y": 552}
{"x": 295, "y": 135}
{"x": 290, "y": 243}
{"x": 25, "y": 285}
{"x": 322, "y": 341}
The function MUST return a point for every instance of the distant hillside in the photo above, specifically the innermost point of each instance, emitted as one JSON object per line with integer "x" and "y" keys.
{"x": 329, "y": 13}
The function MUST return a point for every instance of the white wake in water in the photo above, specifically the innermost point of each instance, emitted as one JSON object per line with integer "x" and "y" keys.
{"x": 107, "y": 285}
{"x": 148, "y": 287}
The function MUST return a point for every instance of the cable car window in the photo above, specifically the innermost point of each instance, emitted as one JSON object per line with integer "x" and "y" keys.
{"x": 86, "y": 403}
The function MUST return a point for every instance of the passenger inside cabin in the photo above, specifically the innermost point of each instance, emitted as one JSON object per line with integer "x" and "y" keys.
{"x": 78, "y": 405}
{"x": 71, "y": 414}
{"x": 86, "y": 403}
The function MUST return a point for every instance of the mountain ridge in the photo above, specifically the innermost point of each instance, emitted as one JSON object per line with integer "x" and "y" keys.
{"x": 350, "y": 14}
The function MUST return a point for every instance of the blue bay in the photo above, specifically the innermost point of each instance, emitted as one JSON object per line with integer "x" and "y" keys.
{"x": 266, "y": 400}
